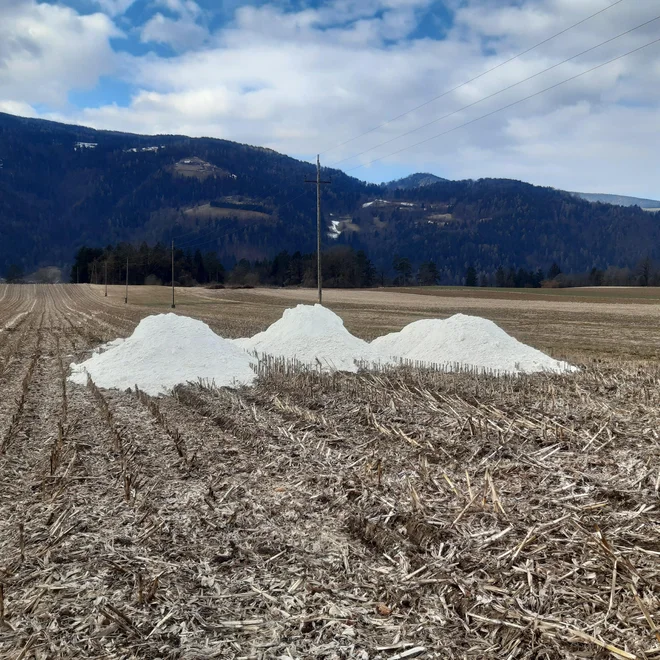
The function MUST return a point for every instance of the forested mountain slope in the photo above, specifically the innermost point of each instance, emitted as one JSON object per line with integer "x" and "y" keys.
{"x": 65, "y": 186}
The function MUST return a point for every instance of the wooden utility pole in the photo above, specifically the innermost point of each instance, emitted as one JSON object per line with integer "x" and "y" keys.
{"x": 126, "y": 296}
{"x": 106, "y": 278}
{"x": 173, "y": 305}
{"x": 318, "y": 182}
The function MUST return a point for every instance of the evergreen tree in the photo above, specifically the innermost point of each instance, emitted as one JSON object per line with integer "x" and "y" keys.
{"x": 14, "y": 274}
{"x": 428, "y": 274}
{"x": 554, "y": 271}
{"x": 523, "y": 278}
{"x": 365, "y": 269}
{"x": 510, "y": 280}
{"x": 596, "y": 277}
{"x": 500, "y": 278}
{"x": 296, "y": 269}
{"x": 644, "y": 271}
{"x": 471, "y": 276}
{"x": 81, "y": 269}
{"x": 279, "y": 271}
{"x": 199, "y": 269}
{"x": 214, "y": 268}
{"x": 403, "y": 267}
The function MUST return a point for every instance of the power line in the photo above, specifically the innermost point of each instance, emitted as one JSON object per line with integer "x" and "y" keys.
{"x": 471, "y": 80}
{"x": 510, "y": 105}
{"x": 490, "y": 96}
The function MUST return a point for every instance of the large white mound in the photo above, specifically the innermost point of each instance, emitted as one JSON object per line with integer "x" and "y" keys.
{"x": 163, "y": 351}
{"x": 466, "y": 341}
{"x": 311, "y": 334}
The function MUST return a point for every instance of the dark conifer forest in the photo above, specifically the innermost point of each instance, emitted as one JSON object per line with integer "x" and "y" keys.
{"x": 64, "y": 187}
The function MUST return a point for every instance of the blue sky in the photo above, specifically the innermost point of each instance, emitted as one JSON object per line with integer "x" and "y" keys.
{"x": 307, "y": 77}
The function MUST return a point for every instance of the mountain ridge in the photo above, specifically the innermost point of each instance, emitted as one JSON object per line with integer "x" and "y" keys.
{"x": 415, "y": 180}
{"x": 62, "y": 187}
{"x": 420, "y": 179}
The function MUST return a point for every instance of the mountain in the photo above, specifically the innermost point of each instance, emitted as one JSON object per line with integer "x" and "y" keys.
{"x": 65, "y": 186}
{"x": 62, "y": 187}
{"x": 418, "y": 180}
{"x": 620, "y": 200}
{"x": 421, "y": 179}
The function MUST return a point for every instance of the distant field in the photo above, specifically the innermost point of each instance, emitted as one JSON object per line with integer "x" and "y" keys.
{"x": 619, "y": 294}
{"x": 574, "y": 324}
{"x": 207, "y": 211}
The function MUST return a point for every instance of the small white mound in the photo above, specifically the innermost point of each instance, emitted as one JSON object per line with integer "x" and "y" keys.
{"x": 163, "y": 351}
{"x": 311, "y": 334}
{"x": 466, "y": 341}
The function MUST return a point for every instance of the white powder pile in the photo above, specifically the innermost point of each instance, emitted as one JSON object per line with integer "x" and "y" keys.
{"x": 469, "y": 341}
{"x": 163, "y": 351}
{"x": 311, "y": 334}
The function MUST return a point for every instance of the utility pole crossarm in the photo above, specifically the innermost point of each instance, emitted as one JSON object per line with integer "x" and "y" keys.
{"x": 319, "y": 183}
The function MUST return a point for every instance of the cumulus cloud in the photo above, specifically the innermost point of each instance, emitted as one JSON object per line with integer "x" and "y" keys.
{"x": 303, "y": 81}
{"x": 48, "y": 50}
{"x": 181, "y": 33}
{"x": 114, "y": 7}
{"x": 17, "y": 108}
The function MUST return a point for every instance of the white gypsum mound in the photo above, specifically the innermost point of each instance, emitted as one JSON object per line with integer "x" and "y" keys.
{"x": 312, "y": 335}
{"x": 163, "y": 351}
{"x": 466, "y": 341}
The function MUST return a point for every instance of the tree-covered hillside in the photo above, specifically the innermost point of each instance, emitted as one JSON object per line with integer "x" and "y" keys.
{"x": 62, "y": 187}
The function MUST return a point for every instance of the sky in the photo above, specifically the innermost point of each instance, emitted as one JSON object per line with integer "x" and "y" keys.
{"x": 329, "y": 76}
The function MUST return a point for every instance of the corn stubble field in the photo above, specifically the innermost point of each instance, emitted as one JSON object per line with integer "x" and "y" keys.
{"x": 394, "y": 515}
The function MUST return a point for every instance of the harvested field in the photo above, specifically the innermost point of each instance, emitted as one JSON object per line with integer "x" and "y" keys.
{"x": 398, "y": 515}
{"x": 209, "y": 212}
{"x": 578, "y": 326}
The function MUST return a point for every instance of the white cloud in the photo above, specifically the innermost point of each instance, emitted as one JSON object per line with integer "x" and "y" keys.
{"x": 303, "y": 81}
{"x": 17, "y": 108}
{"x": 180, "y": 7}
{"x": 183, "y": 33}
{"x": 115, "y": 7}
{"x": 48, "y": 50}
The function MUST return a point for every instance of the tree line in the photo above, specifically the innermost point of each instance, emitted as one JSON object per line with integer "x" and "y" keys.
{"x": 343, "y": 267}
{"x": 645, "y": 273}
